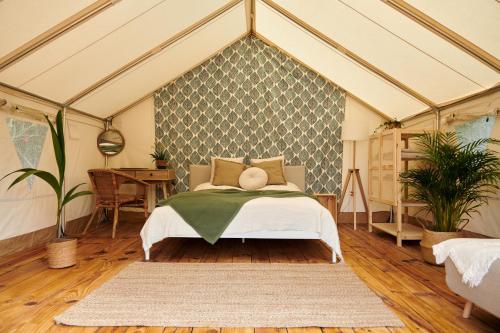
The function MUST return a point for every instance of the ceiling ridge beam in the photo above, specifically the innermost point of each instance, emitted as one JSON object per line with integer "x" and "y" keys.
{"x": 143, "y": 98}
{"x": 7, "y": 88}
{"x": 445, "y": 33}
{"x": 248, "y": 15}
{"x": 178, "y": 36}
{"x": 55, "y": 32}
{"x": 452, "y": 103}
{"x": 351, "y": 55}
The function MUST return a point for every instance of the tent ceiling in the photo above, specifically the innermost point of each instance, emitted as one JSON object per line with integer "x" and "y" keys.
{"x": 127, "y": 49}
{"x": 476, "y": 21}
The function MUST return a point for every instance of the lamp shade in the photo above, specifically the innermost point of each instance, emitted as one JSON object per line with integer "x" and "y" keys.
{"x": 354, "y": 130}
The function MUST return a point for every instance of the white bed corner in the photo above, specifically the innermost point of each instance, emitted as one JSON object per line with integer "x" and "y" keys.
{"x": 262, "y": 218}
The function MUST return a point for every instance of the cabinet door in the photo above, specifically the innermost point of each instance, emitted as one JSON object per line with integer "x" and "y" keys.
{"x": 374, "y": 167}
{"x": 387, "y": 166}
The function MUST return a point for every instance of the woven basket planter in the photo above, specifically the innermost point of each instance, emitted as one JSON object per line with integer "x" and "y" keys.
{"x": 431, "y": 238}
{"x": 62, "y": 253}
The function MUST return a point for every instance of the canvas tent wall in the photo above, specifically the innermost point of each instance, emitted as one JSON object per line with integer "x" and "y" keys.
{"x": 106, "y": 57}
{"x": 30, "y": 205}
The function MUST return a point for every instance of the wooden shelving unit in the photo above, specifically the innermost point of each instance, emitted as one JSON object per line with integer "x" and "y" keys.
{"x": 390, "y": 153}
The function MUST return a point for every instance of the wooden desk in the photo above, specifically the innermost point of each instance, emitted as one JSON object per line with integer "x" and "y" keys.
{"x": 163, "y": 177}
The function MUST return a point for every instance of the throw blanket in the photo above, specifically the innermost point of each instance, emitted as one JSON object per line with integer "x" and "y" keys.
{"x": 209, "y": 212}
{"x": 472, "y": 256}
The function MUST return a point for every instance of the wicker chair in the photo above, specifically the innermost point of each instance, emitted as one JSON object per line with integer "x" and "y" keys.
{"x": 106, "y": 185}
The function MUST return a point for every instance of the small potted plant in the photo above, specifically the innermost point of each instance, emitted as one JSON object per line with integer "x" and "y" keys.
{"x": 61, "y": 251}
{"x": 389, "y": 124}
{"x": 160, "y": 158}
{"x": 454, "y": 181}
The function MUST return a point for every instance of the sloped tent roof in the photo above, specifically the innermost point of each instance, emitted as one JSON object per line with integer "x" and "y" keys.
{"x": 103, "y": 56}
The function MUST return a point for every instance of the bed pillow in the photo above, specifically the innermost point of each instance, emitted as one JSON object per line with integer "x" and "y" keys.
{"x": 227, "y": 173}
{"x": 212, "y": 165}
{"x": 280, "y": 158}
{"x": 274, "y": 170}
{"x": 253, "y": 179}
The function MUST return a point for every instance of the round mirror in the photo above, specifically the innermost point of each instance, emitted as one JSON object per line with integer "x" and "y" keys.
{"x": 110, "y": 142}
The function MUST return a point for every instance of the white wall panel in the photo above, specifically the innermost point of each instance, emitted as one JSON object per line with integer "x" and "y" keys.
{"x": 334, "y": 65}
{"x": 119, "y": 48}
{"x": 166, "y": 65}
{"x": 475, "y": 20}
{"x": 425, "y": 40}
{"x": 382, "y": 49}
{"x": 75, "y": 41}
{"x": 23, "y": 20}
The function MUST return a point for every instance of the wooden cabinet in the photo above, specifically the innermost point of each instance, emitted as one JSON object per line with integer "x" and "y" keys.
{"x": 389, "y": 153}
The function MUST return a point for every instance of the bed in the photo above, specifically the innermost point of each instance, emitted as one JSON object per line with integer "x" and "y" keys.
{"x": 261, "y": 218}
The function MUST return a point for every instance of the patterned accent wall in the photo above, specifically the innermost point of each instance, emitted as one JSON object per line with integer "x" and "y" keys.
{"x": 252, "y": 100}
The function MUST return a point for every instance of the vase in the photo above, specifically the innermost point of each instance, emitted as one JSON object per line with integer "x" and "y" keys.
{"x": 61, "y": 252}
{"x": 430, "y": 238}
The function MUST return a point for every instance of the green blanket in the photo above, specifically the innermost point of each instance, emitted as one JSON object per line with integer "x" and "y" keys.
{"x": 209, "y": 212}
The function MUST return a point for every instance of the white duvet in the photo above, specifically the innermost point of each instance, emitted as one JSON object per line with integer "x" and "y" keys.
{"x": 278, "y": 218}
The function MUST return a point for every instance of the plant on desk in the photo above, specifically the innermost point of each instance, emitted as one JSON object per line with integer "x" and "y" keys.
{"x": 61, "y": 251}
{"x": 160, "y": 158}
{"x": 455, "y": 180}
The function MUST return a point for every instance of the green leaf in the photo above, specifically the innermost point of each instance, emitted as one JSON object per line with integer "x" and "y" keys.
{"x": 44, "y": 175}
{"x": 68, "y": 198}
{"x": 58, "y": 148}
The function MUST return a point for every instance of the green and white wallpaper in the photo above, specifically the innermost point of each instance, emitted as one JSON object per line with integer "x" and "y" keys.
{"x": 252, "y": 100}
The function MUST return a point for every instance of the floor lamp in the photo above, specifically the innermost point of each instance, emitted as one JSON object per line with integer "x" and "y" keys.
{"x": 353, "y": 131}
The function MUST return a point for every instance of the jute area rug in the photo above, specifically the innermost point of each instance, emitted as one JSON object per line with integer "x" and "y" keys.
{"x": 232, "y": 295}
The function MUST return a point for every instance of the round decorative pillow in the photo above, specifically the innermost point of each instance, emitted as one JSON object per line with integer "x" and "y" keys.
{"x": 253, "y": 178}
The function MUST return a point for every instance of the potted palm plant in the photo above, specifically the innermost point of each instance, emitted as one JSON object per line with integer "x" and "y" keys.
{"x": 61, "y": 251}
{"x": 160, "y": 158}
{"x": 454, "y": 180}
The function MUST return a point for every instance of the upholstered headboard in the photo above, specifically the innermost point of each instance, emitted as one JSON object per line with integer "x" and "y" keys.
{"x": 201, "y": 174}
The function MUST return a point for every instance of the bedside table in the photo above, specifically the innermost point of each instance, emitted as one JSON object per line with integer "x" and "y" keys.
{"x": 329, "y": 201}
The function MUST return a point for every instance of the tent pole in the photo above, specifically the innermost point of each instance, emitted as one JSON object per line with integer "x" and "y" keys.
{"x": 351, "y": 55}
{"x": 55, "y": 32}
{"x": 63, "y": 213}
{"x": 26, "y": 94}
{"x": 456, "y": 102}
{"x": 445, "y": 33}
{"x": 209, "y": 18}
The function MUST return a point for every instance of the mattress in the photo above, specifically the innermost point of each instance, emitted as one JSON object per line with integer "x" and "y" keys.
{"x": 271, "y": 218}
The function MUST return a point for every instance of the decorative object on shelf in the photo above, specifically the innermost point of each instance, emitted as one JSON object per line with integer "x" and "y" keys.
{"x": 62, "y": 251}
{"x": 160, "y": 157}
{"x": 454, "y": 182}
{"x": 353, "y": 131}
{"x": 389, "y": 124}
{"x": 389, "y": 153}
{"x": 110, "y": 142}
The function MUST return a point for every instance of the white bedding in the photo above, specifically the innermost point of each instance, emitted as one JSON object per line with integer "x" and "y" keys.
{"x": 274, "y": 218}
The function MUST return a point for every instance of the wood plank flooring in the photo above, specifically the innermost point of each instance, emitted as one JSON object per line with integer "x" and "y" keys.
{"x": 31, "y": 294}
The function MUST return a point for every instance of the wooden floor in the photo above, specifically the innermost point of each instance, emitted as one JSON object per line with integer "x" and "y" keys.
{"x": 31, "y": 294}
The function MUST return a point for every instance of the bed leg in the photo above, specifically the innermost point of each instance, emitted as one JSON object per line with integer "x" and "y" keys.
{"x": 146, "y": 255}
{"x": 467, "y": 309}
{"x": 243, "y": 240}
